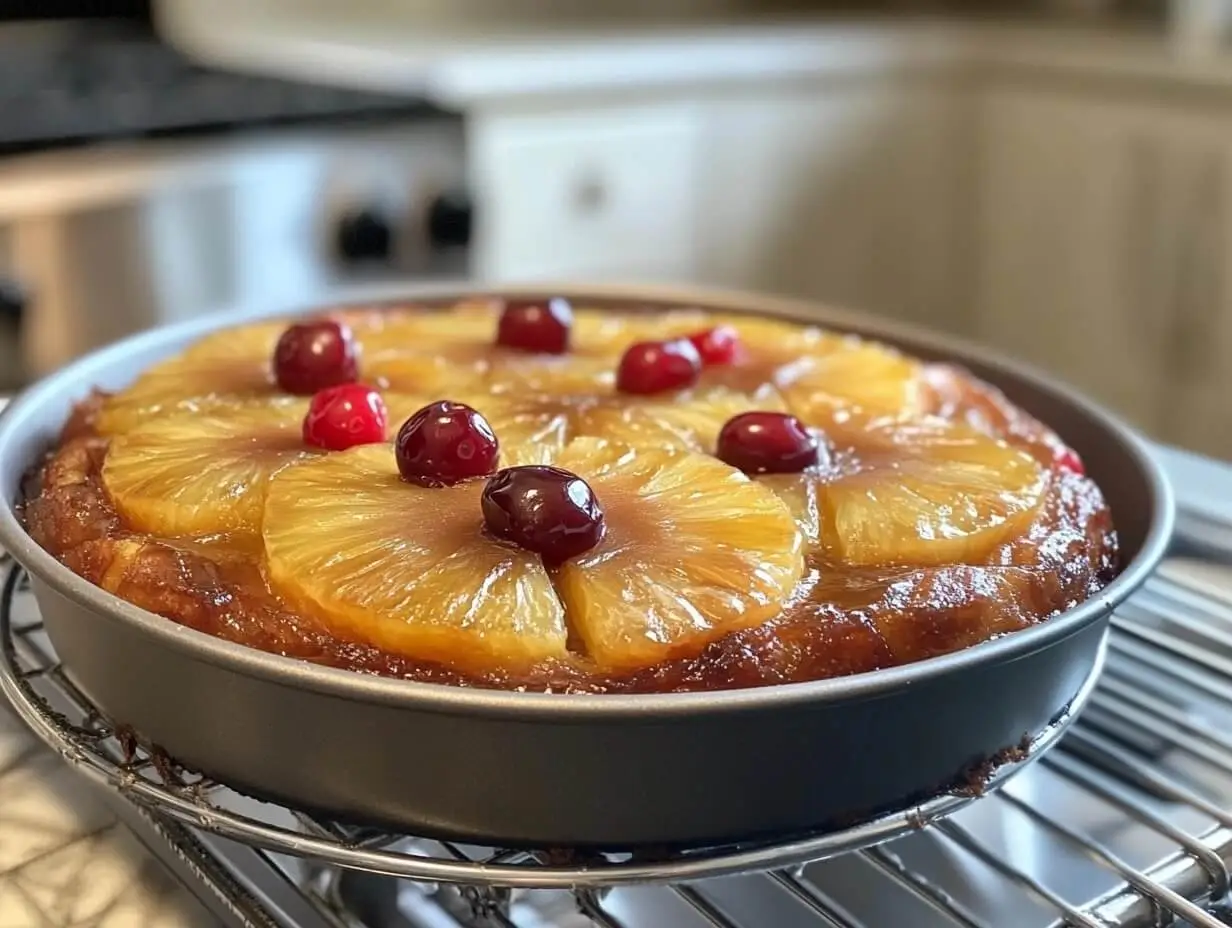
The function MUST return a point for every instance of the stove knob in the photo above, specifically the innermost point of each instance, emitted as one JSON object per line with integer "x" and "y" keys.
{"x": 450, "y": 216}
{"x": 365, "y": 236}
{"x": 13, "y": 299}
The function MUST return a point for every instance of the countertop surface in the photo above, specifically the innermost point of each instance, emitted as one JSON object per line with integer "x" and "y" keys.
{"x": 463, "y": 62}
{"x": 65, "y": 860}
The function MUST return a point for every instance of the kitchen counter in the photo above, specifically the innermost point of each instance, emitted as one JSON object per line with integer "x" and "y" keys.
{"x": 64, "y": 857}
{"x": 456, "y": 66}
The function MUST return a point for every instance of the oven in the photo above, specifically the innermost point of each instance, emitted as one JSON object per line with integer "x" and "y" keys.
{"x": 138, "y": 188}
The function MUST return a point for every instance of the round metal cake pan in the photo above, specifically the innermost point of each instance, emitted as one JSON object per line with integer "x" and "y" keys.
{"x": 602, "y": 771}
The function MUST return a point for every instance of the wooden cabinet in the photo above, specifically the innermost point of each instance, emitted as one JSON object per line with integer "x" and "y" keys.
{"x": 1083, "y": 230}
{"x": 1102, "y": 247}
{"x": 849, "y": 195}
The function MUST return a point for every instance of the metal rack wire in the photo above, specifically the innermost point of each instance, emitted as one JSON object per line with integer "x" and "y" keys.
{"x": 1151, "y": 747}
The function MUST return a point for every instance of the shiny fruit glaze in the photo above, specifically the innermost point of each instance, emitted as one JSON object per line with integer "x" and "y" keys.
{"x": 344, "y": 416}
{"x": 543, "y": 509}
{"x": 311, "y": 356}
{"x": 720, "y": 345}
{"x": 948, "y": 517}
{"x": 657, "y": 367}
{"x": 767, "y": 443}
{"x": 536, "y": 326}
{"x": 445, "y": 443}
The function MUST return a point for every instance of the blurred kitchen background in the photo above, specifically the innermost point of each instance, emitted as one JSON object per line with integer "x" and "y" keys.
{"x": 1050, "y": 177}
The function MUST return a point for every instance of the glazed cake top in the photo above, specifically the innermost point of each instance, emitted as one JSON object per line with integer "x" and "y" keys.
{"x": 529, "y": 493}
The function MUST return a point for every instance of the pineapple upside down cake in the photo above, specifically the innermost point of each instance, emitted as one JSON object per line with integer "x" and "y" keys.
{"x": 531, "y": 495}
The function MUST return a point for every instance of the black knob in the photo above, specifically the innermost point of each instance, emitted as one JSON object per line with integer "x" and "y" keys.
{"x": 13, "y": 299}
{"x": 450, "y": 216}
{"x": 365, "y": 235}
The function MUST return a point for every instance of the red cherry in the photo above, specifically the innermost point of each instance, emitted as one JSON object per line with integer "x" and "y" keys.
{"x": 1067, "y": 459}
{"x": 311, "y": 356}
{"x": 767, "y": 443}
{"x": 540, "y": 326}
{"x": 543, "y": 509}
{"x": 720, "y": 345}
{"x": 445, "y": 443}
{"x": 655, "y": 367}
{"x": 344, "y": 416}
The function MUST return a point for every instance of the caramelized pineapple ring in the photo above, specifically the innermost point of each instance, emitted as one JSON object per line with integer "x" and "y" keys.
{"x": 223, "y": 369}
{"x": 596, "y": 341}
{"x": 430, "y": 350}
{"x": 532, "y": 428}
{"x": 923, "y": 493}
{"x": 454, "y": 349}
{"x": 686, "y": 422}
{"x": 404, "y": 568}
{"x": 200, "y": 473}
{"x": 693, "y": 550}
{"x": 848, "y": 374}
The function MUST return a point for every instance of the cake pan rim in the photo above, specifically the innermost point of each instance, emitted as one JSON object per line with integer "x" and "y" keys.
{"x": 80, "y": 376}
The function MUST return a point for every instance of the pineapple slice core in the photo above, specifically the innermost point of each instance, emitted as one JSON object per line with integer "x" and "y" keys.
{"x": 405, "y": 568}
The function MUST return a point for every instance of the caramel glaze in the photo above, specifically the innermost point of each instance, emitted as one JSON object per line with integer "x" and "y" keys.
{"x": 840, "y": 621}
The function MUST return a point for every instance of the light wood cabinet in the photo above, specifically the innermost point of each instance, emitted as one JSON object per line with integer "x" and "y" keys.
{"x": 849, "y": 196}
{"x": 1086, "y": 231}
{"x": 1102, "y": 253}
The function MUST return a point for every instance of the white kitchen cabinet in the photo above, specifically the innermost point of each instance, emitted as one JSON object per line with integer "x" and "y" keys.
{"x": 850, "y": 194}
{"x": 1103, "y": 233}
{"x": 589, "y": 193}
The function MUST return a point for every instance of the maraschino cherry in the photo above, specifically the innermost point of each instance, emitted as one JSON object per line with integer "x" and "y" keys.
{"x": 1067, "y": 459}
{"x": 767, "y": 443}
{"x": 657, "y": 367}
{"x": 720, "y": 345}
{"x": 550, "y": 511}
{"x": 445, "y": 443}
{"x": 311, "y": 356}
{"x": 539, "y": 326}
{"x": 344, "y": 416}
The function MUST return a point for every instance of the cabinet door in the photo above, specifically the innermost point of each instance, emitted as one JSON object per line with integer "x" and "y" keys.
{"x": 1105, "y": 234}
{"x": 598, "y": 193}
{"x": 1074, "y": 208}
{"x": 1195, "y": 413}
{"x": 850, "y": 194}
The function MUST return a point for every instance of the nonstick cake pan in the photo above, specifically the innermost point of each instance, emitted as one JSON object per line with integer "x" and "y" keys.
{"x": 620, "y": 771}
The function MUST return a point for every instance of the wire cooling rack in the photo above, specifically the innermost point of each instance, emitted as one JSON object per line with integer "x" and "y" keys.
{"x": 1151, "y": 749}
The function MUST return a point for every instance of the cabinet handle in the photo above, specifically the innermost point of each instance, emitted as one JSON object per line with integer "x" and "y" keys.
{"x": 13, "y": 299}
{"x": 590, "y": 194}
